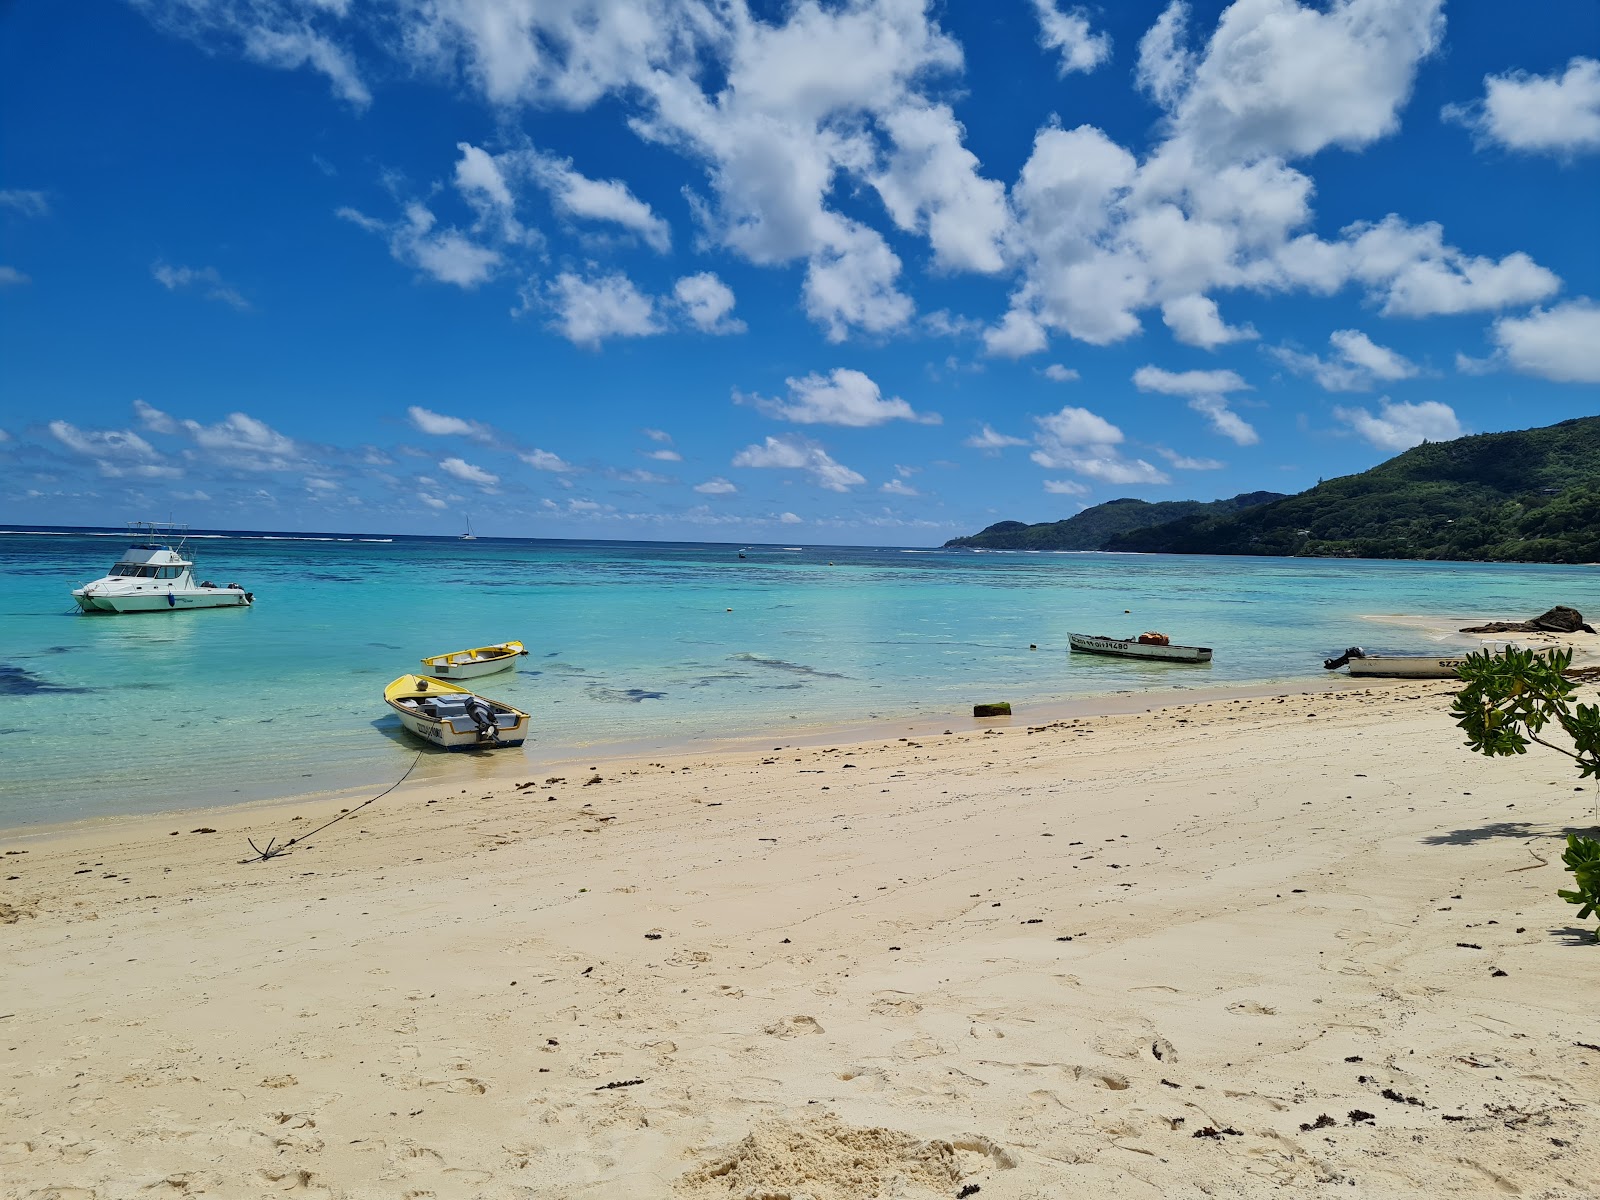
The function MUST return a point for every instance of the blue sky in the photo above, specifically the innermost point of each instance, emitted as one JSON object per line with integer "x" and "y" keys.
{"x": 830, "y": 273}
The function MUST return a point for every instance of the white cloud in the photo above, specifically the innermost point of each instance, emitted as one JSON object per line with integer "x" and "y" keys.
{"x": 789, "y": 518}
{"x": 1078, "y": 427}
{"x": 664, "y": 455}
{"x": 11, "y": 277}
{"x": 318, "y": 485}
{"x": 103, "y": 443}
{"x": 27, "y": 203}
{"x": 1075, "y": 439}
{"x": 715, "y": 487}
{"x": 1184, "y": 463}
{"x": 445, "y": 255}
{"x": 1279, "y": 79}
{"x": 1401, "y": 426}
{"x": 290, "y": 48}
{"x": 1357, "y": 365}
{"x": 467, "y": 472}
{"x": 1018, "y": 335}
{"x": 1069, "y": 34}
{"x": 443, "y": 425}
{"x": 607, "y": 200}
{"x": 118, "y": 453}
{"x": 432, "y": 501}
{"x": 1065, "y": 487}
{"x": 657, "y": 435}
{"x": 543, "y": 460}
{"x": 587, "y": 311}
{"x": 707, "y": 301}
{"x": 1538, "y": 114}
{"x": 842, "y": 397}
{"x": 1207, "y": 392}
{"x": 850, "y": 283}
{"x": 899, "y": 487}
{"x": 1561, "y": 343}
{"x": 1195, "y": 321}
{"x": 1060, "y": 374}
{"x": 989, "y": 440}
{"x": 244, "y": 443}
{"x": 794, "y": 452}
{"x": 931, "y": 185}
{"x": 206, "y": 279}
{"x": 1416, "y": 275}
{"x": 638, "y": 476}
{"x": 153, "y": 418}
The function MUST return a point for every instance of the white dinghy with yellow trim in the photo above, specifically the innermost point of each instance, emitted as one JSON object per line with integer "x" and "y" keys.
{"x": 446, "y": 715}
{"x": 469, "y": 664}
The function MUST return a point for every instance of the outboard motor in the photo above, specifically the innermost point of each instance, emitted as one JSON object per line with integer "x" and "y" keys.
{"x": 1333, "y": 664}
{"x": 483, "y": 717}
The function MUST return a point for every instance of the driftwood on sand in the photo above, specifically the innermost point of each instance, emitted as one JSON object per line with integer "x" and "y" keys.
{"x": 1559, "y": 619}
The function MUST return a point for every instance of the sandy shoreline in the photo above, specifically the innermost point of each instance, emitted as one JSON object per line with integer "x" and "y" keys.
{"x": 1041, "y": 962}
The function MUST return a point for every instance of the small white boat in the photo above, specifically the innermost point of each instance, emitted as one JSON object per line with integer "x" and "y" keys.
{"x": 1153, "y": 646}
{"x": 1397, "y": 666}
{"x": 469, "y": 536}
{"x": 469, "y": 664}
{"x": 155, "y": 574}
{"x": 450, "y": 716}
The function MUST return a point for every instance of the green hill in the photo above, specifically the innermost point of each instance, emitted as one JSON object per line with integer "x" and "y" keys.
{"x": 1532, "y": 495}
{"x": 1094, "y": 527}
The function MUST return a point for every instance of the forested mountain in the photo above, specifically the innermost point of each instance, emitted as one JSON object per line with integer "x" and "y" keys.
{"x": 1532, "y": 495}
{"x": 1094, "y": 527}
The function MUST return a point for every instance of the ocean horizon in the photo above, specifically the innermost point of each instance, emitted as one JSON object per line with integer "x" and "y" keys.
{"x": 629, "y": 643}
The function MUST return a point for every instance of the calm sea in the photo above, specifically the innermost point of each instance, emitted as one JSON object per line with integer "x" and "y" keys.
{"x": 629, "y": 642}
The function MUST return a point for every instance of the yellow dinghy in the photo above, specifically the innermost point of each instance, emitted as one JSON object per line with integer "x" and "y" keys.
{"x": 469, "y": 664}
{"x": 446, "y": 715}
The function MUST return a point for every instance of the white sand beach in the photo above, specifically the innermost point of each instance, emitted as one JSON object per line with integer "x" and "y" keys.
{"x": 1294, "y": 945}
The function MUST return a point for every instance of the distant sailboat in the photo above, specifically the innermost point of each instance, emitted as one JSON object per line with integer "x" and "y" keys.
{"x": 469, "y": 536}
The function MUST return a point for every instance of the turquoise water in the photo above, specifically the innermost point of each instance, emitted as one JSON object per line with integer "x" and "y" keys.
{"x": 628, "y": 642}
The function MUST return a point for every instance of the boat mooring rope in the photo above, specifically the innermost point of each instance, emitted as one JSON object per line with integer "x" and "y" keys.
{"x": 273, "y": 850}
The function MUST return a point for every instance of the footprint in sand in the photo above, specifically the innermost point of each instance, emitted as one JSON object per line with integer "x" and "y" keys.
{"x": 791, "y": 1027}
{"x": 300, "y": 1182}
{"x": 465, "y": 1085}
{"x": 278, "y": 1081}
{"x": 1112, "y": 1081}
{"x": 1251, "y": 1006}
{"x": 895, "y": 1007}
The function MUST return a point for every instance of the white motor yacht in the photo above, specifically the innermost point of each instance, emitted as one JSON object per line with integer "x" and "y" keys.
{"x": 155, "y": 575}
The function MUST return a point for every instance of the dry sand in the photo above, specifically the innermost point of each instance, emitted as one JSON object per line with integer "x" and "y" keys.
{"x": 1305, "y": 945}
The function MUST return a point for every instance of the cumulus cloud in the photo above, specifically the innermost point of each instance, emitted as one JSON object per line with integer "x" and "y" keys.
{"x": 118, "y": 453}
{"x": 715, "y": 487}
{"x": 1561, "y": 343}
{"x": 899, "y": 487}
{"x": 153, "y": 419}
{"x": 605, "y": 200}
{"x": 706, "y": 301}
{"x": 1068, "y": 34}
{"x": 1195, "y": 321}
{"x": 1207, "y": 392}
{"x": 1537, "y": 114}
{"x": 543, "y": 460}
{"x": 467, "y": 472}
{"x": 1059, "y": 374}
{"x": 795, "y": 452}
{"x": 245, "y": 443}
{"x": 445, "y": 255}
{"x": 1065, "y": 487}
{"x": 1356, "y": 365}
{"x": 1184, "y": 462}
{"x": 442, "y": 425}
{"x": 204, "y": 279}
{"x": 1075, "y": 439}
{"x": 991, "y": 442}
{"x": 665, "y": 455}
{"x": 842, "y": 397}
{"x": 587, "y": 311}
{"x": 1401, "y": 426}
{"x": 11, "y": 277}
